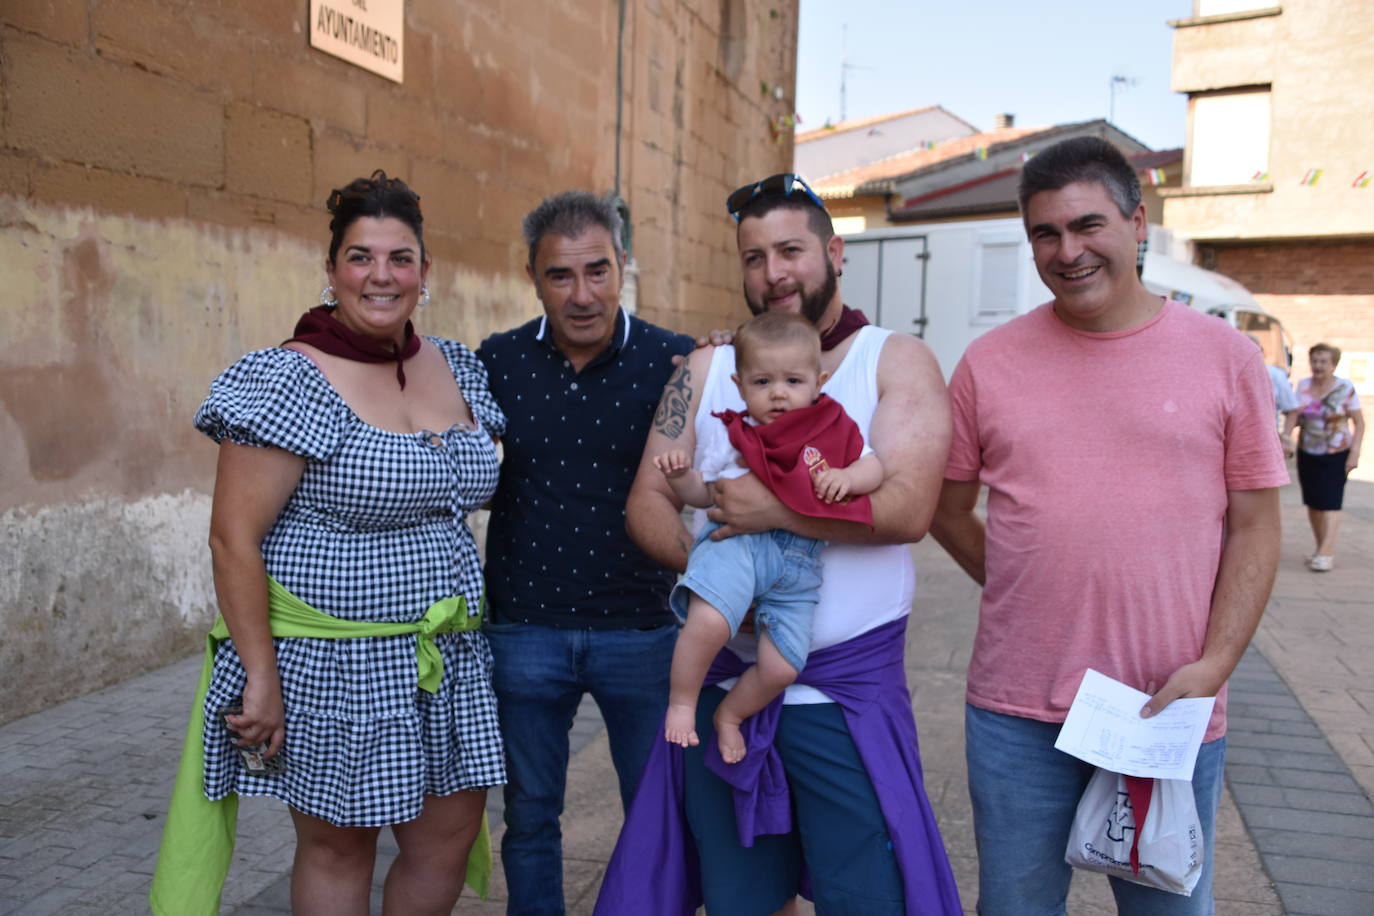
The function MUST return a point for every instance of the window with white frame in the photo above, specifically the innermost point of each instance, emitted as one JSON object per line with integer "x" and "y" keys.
{"x": 999, "y": 260}
{"x": 1229, "y": 141}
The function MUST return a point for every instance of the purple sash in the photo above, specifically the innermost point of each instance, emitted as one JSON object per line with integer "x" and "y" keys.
{"x": 655, "y": 868}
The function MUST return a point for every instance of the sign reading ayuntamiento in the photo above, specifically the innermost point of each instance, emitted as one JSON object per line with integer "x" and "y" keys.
{"x": 368, "y": 33}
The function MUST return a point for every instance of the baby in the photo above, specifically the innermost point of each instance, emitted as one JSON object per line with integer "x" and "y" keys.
{"x": 808, "y": 451}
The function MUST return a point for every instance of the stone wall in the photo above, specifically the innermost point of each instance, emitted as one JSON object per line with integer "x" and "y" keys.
{"x": 163, "y": 168}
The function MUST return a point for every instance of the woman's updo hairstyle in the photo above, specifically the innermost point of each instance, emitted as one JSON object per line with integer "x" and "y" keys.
{"x": 379, "y": 197}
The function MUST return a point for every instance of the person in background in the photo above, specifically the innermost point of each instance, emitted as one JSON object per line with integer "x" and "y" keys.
{"x": 1332, "y": 430}
{"x": 1285, "y": 401}
{"x": 350, "y": 586}
{"x": 575, "y": 607}
{"x": 1139, "y": 539}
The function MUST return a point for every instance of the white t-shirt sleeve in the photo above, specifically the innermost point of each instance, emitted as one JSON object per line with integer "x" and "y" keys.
{"x": 716, "y": 457}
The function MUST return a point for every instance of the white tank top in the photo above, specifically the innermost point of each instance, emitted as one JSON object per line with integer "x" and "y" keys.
{"x": 862, "y": 587}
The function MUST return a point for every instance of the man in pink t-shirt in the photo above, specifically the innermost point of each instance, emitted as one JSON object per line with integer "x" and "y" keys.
{"x": 1128, "y": 448}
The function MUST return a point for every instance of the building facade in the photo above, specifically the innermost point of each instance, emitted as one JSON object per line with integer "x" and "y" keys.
{"x": 965, "y": 176}
{"x": 163, "y": 171}
{"x": 1280, "y": 155}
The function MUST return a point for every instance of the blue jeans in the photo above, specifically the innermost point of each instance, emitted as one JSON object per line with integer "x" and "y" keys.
{"x": 540, "y": 676}
{"x": 1024, "y": 796}
{"x": 839, "y": 827}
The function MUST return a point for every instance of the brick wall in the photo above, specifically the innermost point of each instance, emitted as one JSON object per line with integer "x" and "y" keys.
{"x": 1299, "y": 267}
{"x": 1321, "y": 291}
{"x": 163, "y": 168}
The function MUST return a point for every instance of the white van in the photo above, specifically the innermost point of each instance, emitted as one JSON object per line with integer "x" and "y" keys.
{"x": 1167, "y": 270}
{"x": 949, "y": 282}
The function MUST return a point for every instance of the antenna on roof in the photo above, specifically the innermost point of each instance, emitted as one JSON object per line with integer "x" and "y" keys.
{"x": 1125, "y": 82}
{"x": 845, "y": 67}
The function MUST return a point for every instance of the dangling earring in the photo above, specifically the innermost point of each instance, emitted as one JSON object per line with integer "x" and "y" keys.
{"x": 327, "y": 297}
{"x": 424, "y": 296}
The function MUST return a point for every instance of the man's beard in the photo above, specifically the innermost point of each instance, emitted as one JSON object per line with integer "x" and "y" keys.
{"x": 813, "y": 303}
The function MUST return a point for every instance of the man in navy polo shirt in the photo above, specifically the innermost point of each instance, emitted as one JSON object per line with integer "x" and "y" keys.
{"x": 573, "y": 605}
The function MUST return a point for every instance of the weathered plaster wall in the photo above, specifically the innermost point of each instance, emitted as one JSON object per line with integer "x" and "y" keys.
{"x": 112, "y": 330}
{"x": 1316, "y": 56}
{"x": 1219, "y": 55}
{"x": 1304, "y": 250}
{"x": 163, "y": 165}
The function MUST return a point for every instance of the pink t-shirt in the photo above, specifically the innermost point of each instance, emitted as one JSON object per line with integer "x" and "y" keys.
{"x": 1107, "y": 458}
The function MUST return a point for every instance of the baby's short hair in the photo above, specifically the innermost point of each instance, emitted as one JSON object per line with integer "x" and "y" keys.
{"x": 776, "y": 329}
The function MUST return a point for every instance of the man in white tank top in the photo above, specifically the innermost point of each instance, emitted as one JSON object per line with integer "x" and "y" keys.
{"x": 892, "y": 387}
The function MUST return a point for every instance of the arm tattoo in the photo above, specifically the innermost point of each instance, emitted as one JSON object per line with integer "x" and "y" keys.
{"x": 671, "y": 417}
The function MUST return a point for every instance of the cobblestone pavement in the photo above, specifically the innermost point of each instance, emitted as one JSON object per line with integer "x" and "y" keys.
{"x": 84, "y": 785}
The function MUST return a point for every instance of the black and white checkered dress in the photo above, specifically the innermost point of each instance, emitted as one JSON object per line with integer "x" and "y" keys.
{"x": 375, "y": 531}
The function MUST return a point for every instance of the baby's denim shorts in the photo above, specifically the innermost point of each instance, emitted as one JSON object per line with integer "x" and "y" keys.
{"x": 777, "y": 572}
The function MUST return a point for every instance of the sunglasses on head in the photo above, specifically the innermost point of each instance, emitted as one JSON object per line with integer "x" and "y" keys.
{"x": 784, "y": 184}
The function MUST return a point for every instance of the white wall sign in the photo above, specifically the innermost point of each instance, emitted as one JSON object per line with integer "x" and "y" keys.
{"x": 368, "y": 33}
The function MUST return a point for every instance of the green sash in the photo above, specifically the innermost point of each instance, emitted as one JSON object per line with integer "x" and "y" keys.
{"x": 198, "y": 839}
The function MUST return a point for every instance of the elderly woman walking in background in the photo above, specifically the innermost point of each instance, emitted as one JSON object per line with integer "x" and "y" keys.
{"x": 1327, "y": 448}
{"x": 350, "y": 591}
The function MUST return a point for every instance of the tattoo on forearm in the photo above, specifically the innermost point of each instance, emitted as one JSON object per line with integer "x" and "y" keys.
{"x": 671, "y": 417}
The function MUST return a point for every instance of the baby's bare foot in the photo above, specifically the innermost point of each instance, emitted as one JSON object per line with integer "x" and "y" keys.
{"x": 678, "y": 725}
{"x": 731, "y": 743}
{"x": 729, "y": 737}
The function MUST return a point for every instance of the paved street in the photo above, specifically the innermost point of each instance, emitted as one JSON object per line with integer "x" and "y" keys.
{"x": 84, "y": 785}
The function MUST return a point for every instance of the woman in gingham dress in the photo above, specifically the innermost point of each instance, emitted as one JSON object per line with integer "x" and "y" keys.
{"x": 349, "y": 458}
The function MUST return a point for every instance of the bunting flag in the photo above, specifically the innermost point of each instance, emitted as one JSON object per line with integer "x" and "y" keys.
{"x": 1026, "y": 157}
{"x": 1260, "y": 176}
{"x": 782, "y": 126}
{"x": 1311, "y": 177}
{"x": 1361, "y": 180}
{"x": 1154, "y": 176}
{"x": 981, "y": 152}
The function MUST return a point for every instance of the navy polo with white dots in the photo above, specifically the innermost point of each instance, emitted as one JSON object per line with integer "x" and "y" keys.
{"x": 557, "y": 551}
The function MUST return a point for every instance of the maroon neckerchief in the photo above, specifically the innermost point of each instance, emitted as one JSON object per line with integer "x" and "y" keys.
{"x": 787, "y": 453}
{"x": 850, "y": 321}
{"x": 319, "y": 328}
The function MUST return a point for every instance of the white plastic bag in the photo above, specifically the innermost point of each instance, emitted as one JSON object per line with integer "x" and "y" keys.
{"x": 1168, "y": 845}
